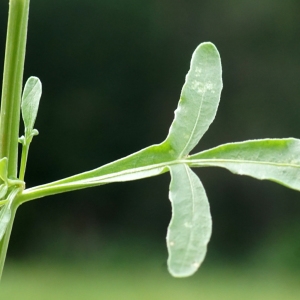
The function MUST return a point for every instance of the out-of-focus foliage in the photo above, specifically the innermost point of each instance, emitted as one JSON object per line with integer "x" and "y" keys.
{"x": 146, "y": 279}
{"x": 98, "y": 59}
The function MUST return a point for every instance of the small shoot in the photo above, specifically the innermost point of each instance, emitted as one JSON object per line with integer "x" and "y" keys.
{"x": 30, "y": 104}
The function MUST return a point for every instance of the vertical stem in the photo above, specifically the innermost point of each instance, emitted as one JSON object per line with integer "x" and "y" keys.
{"x": 11, "y": 98}
{"x": 12, "y": 82}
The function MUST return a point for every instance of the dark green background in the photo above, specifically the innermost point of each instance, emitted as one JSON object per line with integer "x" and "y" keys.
{"x": 112, "y": 72}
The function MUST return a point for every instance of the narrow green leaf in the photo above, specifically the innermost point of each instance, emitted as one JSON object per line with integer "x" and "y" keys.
{"x": 3, "y": 190}
{"x": 5, "y": 215}
{"x": 199, "y": 100}
{"x": 147, "y": 162}
{"x": 152, "y": 157}
{"x": 190, "y": 227}
{"x": 272, "y": 159}
{"x": 30, "y": 102}
{"x": 5, "y": 212}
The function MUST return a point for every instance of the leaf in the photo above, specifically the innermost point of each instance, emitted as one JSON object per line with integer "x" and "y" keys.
{"x": 30, "y": 102}
{"x": 190, "y": 227}
{"x": 5, "y": 215}
{"x": 272, "y": 159}
{"x": 199, "y": 100}
{"x": 148, "y": 162}
{"x": 196, "y": 110}
{"x": 3, "y": 190}
{"x": 5, "y": 212}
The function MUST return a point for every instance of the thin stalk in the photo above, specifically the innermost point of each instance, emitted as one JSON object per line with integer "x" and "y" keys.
{"x": 12, "y": 82}
{"x": 24, "y": 156}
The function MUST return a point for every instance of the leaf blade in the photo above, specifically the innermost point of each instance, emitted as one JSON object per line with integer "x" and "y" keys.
{"x": 190, "y": 228}
{"x": 30, "y": 101}
{"x": 179, "y": 141}
{"x": 150, "y": 161}
{"x": 277, "y": 160}
{"x": 5, "y": 212}
{"x": 199, "y": 100}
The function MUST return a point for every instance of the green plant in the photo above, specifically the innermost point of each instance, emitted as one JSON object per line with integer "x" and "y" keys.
{"x": 190, "y": 227}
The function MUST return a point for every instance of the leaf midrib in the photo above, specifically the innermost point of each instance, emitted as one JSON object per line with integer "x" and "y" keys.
{"x": 187, "y": 249}
{"x": 196, "y": 122}
{"x": 190, "y": 162}
{"x": 240, "y": 161}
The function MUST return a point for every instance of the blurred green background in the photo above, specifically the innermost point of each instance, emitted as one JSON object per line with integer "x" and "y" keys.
{"x": 112, "y": 71}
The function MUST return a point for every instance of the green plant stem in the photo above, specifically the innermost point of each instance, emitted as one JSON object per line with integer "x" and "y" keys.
{"x": 11, "y": 99}
{"x": 5, "y": 240}
{"x": 12, "y": 82}
{"x": 24, "y": 157}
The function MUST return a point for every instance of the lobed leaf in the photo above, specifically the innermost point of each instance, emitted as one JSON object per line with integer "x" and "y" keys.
{"x": 277, "y": 160}
{"x": 196, "y": 110}
{"x": 199, "y": 100}
{"x": 190, "y": 227}
{"x": 30, "y": 102}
